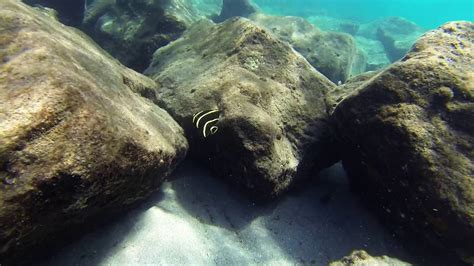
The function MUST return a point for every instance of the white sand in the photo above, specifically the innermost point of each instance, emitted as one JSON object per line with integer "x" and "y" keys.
{"x": 197, "y": 220}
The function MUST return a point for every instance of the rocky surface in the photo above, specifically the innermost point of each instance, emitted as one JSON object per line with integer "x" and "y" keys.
{"x": 337, "y": 95}
{"x": 273, "y": 126}
{"x": 77, "y": 141}
{"x": 362, "y": 258}
{"x": 407, "y": 137}
{"x": 333, "y": 54}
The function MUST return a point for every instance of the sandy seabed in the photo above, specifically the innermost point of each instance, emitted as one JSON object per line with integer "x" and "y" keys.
{"x": 199, "y": 220}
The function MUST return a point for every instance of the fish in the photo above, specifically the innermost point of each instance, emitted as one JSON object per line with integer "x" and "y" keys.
{"x": 206, "y": 121}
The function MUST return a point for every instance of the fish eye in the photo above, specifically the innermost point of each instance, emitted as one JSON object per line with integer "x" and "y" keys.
{"x": 214, "y": 129}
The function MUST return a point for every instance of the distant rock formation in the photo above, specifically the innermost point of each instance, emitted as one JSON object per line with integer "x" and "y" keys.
{"x": 407, "y": 139}
{"x": 78, "y": 143}
{"x": 333, "y": 54}
{"x": 235, "y": 8}
{"x": 396, "y": 34}
{"x": 273, "y": 129}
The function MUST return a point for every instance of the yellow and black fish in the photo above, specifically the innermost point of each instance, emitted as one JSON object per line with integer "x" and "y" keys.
{"x": 205, "y": 121}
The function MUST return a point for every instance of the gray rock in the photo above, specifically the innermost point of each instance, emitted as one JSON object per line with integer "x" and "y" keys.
{"x": 333, "y": 54}
{"x": 374, "y": 51}
{"x": 396, "y": 34}
{"x": 132, "y": 30}
{"x": 327, "y": 23}
{"x": 77, "y": 141}
{"x": 273, "y": 127}
{"x": 233, "y": 8}
{"x": 362, "y": 258}
{"x": 407, "y": 137}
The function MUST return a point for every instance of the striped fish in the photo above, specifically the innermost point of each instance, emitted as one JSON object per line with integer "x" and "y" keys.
{"x": 205, "y": 121}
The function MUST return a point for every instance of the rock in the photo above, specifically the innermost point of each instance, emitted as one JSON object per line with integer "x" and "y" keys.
{"x": 273, "y": 127}
{"x": 132, "y": 30}
{"x": 340, "y": 92}
{"x": 362, "y": 258}
{"x": 406, "y": 138}
{"x": 331, "y": 53}
{"x": 327, "y": 23}
{"x": 375, "y": 53}
{"x": 78, "y": 143}
{"x": 234, "y": 8}
{"x": 396, "y": 34}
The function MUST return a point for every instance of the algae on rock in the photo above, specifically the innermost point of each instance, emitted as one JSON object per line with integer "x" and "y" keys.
{"x": 407, "y": 139}
{"x": 274, "y": 126}
{"x": 77, "y": 140}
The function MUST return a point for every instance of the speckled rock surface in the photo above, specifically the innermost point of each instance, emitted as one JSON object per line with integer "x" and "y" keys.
{"x": 77, "y": 141}
{"x": 410, "y": 131}
{"x": 362, "y": 258}
{"x": 340, "y": 92}
{"x": 273, "y": 126}
{"x": 333, "y": 54}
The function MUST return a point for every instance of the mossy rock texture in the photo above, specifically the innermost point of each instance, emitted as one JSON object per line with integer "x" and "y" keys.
{"x": 407, "y": 138}
{"x": 334, "y": 54}
{"x": 274, "y": 123}
{"x": 77, "y": 140}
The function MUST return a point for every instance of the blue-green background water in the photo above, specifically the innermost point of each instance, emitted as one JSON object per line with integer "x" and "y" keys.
{"x": 428, "y": 14}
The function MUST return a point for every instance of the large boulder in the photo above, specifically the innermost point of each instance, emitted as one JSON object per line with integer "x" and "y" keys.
{"x": 273, "y": 127}
{"x": 333, "y": 54}
{"x": 78, "y": 142}
{"x": 407, "y": 138}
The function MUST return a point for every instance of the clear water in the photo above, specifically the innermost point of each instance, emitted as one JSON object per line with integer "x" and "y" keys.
{"x": 428, "y": 14}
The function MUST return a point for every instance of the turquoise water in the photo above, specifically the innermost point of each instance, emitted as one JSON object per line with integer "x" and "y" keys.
{"x": 428, "y": 14}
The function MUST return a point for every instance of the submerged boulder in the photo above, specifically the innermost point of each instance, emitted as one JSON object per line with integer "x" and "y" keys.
{"x": 273, "y": 127}
{"x": 132, "y": 30}
{"x": 235, "y": 8}
{"x": 333, "y": 54}
{"x": 77, "y": 141}
{"x": 407, "y": 138}
{"x": 396, "y": 34}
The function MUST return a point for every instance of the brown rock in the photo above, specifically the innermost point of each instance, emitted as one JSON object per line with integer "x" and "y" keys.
{"x": 334, "y": 54}
{"x": 77, "y": 141}
{"x": 273, "y": 127}
{"x": 407, "y": 139}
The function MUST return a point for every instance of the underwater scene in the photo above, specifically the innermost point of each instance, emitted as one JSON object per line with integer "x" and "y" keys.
{"x": 237, "y": 132}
